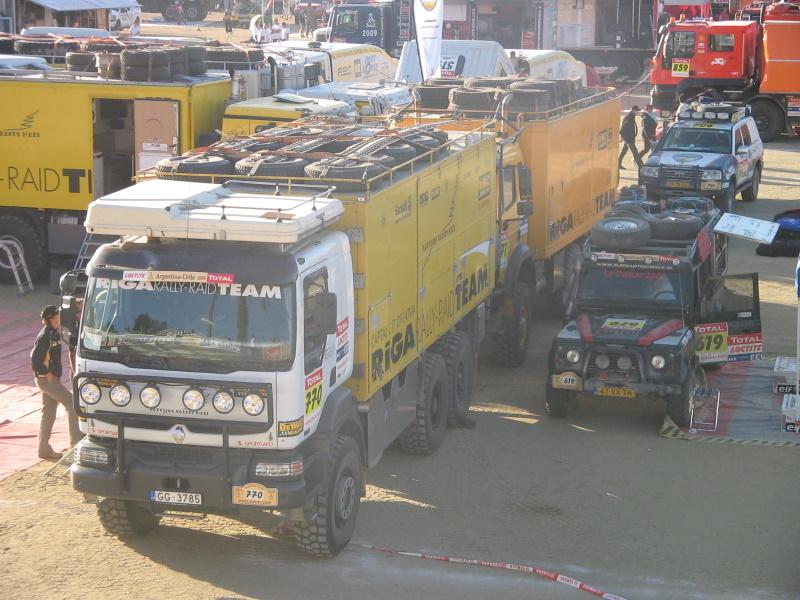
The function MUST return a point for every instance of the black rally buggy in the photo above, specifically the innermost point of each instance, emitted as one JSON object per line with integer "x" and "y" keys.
{"x": 652, "y": 306}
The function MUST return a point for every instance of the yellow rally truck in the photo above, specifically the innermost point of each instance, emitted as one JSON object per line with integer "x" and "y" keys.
{"x": 255, "y": 346}
{"x": 67, "y": 139}
{"x": 562, "y": 160}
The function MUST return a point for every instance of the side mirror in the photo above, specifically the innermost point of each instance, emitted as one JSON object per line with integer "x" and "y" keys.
{"x": 742, "y": 151}
{"x": 68, "y": 313}
{"x": 68, "y": 283}
{"x": 524, "y": 208}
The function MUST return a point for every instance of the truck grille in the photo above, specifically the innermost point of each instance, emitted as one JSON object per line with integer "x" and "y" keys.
{"x": 680, "y": 173}
{"x": 614, "y": 373}
{"x": 169, "y": 453}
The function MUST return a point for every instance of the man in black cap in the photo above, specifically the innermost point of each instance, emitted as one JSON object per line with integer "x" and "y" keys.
{"x": 627, "y": 132}
{"x": 46, "y": 365}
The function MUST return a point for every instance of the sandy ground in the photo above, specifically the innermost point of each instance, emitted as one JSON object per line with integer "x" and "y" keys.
{"x": 599, "y": 497}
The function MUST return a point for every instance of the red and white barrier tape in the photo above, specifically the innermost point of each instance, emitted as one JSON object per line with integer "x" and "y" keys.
{"x": 557, "y": 577}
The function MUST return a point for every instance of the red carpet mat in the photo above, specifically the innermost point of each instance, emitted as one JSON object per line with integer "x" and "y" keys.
{"x": 20, "y": 400}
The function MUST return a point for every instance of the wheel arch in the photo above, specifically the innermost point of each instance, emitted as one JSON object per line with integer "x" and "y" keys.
{"x": 520, "y": 268}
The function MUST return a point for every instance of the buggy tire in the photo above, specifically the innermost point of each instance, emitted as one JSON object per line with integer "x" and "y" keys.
{"x": 335, "y": 508}
{"x": 675, "y": 225}
{"x": 33, "y": 242}
{"x": 681, "y": 406}
{"x": 126, "y": 519}
{"x": 620, "y": 233}
{"x": 509, "y": 346}
{"x": 750, "y": 193}
{"x": 559, "y": 403}
{"x": 425, "y": 433}
{"x": 456, "y": 349}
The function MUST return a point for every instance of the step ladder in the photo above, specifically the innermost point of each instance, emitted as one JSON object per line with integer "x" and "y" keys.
{"x": 12, "y": 251}
{"x": 89, "y": 246}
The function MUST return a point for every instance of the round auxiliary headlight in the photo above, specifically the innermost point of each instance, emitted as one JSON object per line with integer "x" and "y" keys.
{"x": 120, "y": 394}
{"x": 193, "y": 399}
{"x": 253, "y": 404}
{"x": 658, "y": 362}
{"x": 602, "y": 361}
{"x": 150, "y": 396}
{"x": 223, "y": 402}
{"x": 573, "y": 356}
{"x": 90, "y": 392}
{"x": 624, "y": 363}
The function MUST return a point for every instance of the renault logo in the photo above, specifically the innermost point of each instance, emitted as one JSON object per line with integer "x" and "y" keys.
{"x": 178, "y": 433}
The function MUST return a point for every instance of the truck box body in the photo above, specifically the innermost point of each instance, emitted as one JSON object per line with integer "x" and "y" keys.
{"x": 780, "y": 66}
{"x": 59, "y": 134}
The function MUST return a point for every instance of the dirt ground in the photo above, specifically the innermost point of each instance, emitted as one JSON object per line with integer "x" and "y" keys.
{"x": 599, "y": 497}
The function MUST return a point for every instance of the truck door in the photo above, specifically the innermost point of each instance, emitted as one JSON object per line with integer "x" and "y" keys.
{"x": 733, "y": 332}
{"x": 679, "y": 52}
{"x": 156, "y": 131}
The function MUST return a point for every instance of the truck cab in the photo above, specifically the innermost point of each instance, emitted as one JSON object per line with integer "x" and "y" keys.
{"x": 712, "y": 150}
{"x": 367, "y": 99}
{"x": 653, "y": 305}
{"x": 252, "y": 116}
{"x": 694, "y": 56}
{"x": 383, "y": 23}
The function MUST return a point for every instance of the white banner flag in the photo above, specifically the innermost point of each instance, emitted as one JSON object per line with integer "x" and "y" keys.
{"x": 428, "y": 22}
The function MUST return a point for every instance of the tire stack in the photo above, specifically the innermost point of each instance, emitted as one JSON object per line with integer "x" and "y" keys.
{"x": 145, "y": 65}
{"x": 188, "y": 166}
{"x": 81, "y": 62}
{"x": 61, "y": 48}
{"x": 109, "y": 65}
{"x": 475, "y": 103}
{"x": 228, "y": 58}
{"x": 435, "y": 93}
{"x": 34, "y": 47}
{"x": 6, "y": 45}
{"x": 195, "y": 61}
{"x": 491, "y": 82}
{"x": 178, "y": 61}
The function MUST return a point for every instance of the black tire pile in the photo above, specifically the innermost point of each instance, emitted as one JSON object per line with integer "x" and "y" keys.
{"x": 346, "y": 156}
{"x": 54, "y": 49}
{"x": 164, "y": 64}
{"x": 220, "y": 57}
{"x": 480, "y": 97}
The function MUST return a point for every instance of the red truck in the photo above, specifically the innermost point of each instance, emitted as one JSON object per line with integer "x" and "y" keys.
{"x": 757, "y": 64}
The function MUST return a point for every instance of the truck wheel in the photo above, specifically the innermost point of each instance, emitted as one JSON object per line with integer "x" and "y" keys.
{"x": 192, "y": 12}
{"x": 750, "y": 194}
{"x": 334, "y": 510}
{"x": 125, "y": 518}
{"x": 34, "y": 246}
{"x": 681, "y": 406}
{"x": 769, "y": 118}
{"x": 559, "y": 403}
{"x": 425, "y": 433}
{"x": 456, "y": 349}
{"x": 620, "y": 233}
{"x": 509, "y": 347}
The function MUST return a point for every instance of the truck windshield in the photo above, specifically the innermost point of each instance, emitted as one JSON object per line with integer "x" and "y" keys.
{"x": 634, "y": 289}
{"x": 685, "y": 139}
{"x": 189, "y": 327}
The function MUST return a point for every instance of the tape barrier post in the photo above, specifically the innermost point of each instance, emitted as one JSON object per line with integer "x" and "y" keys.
{"x": 797, "y": 354}
{"x": 505, "y": 566}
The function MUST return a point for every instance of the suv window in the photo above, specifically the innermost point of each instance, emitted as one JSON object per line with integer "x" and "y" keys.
{"x": 314, "y": 341}
{"x": 739, "y": 138}
{"x": 721, "y": 42}
{"x": 745, "y": 135}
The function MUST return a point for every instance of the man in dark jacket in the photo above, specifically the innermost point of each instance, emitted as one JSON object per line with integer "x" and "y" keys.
{"x": 628, "y": 131}
{"x": 649, "y": 124}
{"x": 46, "y": 365}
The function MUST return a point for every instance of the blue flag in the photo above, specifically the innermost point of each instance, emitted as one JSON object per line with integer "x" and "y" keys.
{"x": 797, "y": 280}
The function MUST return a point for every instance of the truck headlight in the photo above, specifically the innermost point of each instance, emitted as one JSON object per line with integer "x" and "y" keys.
{"x": 292, "y": 469}
{"x": 193, "y": 399}
{"x": 253, "y": 404}
{"x": 648, "y": 171}
{"x": 573, "y": 356}
{"x": 120, "y": 394}
{"x": 712, "y": 174}
{"x": 223, "y": 402}
{"x": 658, "y": 362}
{"x": 91, "y": 457}
{"x": 90, "y": 392}
{"x": 150, "y": 396}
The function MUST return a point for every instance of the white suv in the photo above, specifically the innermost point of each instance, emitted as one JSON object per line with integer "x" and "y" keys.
{"x": 123, "y": 18}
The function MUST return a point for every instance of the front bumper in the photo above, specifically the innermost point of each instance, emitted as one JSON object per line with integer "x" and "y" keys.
{"x": 211, "y": 472}
{"x": 571, "y": 381}
{"x": 656, "y": 188}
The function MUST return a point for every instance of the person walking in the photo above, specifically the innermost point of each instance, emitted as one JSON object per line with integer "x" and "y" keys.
{"x": 299, "y": 19}
{"x": 310, "y": 19}
{"x": 628, "y": 131}
{"x": 284, "y": 31}
{"x": 46, "y": 365}
{"x": 228, "y": 21}
{"x": 181, "y": 13}
{"x": 649, "y": 124}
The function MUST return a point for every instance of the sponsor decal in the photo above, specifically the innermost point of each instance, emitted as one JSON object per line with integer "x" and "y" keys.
{"x": 24, "y": 127}
{"x": 623, "y": 324}
{"x": 716, "y": 344}
{"x": 341, "y": 351}
{"x": 680, "y": 67}
{"x": 180, "y": 276}
{"x": 580, "y": 216}
{"x": 683, "y": 159}
{"x": 45, "y": 179}
{"x": 393, "y": 351}
{"x": 313, "y": 388}
{"x": 484, "y": 186}
{"x": 291, "y": 428}
{"x": 244, "y": 290}
{"x": 468, "y": 286}
{"x": 568, "y": 380}
{"x": 254, "y": 494}
{"x": 428, "y": 4}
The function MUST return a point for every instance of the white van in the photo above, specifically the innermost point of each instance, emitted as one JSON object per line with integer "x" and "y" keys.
{"x": 367, "y": 98}
{"x": 460, "y": 58}
{"x": 548, "y": 64}
{"x": 123, "y": 18}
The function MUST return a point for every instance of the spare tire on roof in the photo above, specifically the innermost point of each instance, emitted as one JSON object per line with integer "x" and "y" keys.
{"x": 491, "y": 82}
{"x": 696, "y": 202}
{"x": 398, "y": 150}
{"x": 81, "y": 61}
{"x": 432, "y": 97}
{"x": 477, "y": 98}
{"x": 356, "y": 169}
{"x": 34, "y": 48}
{"x": 680, "y": 224}
{"x": 193, "y": 164}
{"x": 448, "y": 81}
{"x": 527, "y": 101}
{"x": 620, "y": 233}
{"x": 272, "y": 165}
{"x": 194, "y": 53}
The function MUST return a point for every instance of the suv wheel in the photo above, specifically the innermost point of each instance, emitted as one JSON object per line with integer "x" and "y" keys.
{"x": 725, "y": 202}
{"x": 750, "y": 194}
{"x": 681, "y": 406}
{"x": 560, "y": 403}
